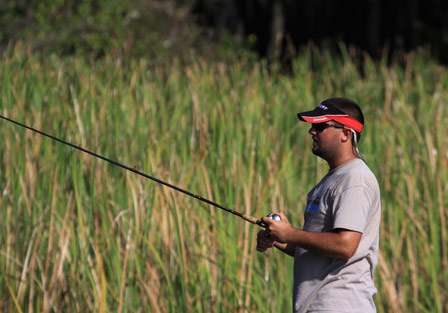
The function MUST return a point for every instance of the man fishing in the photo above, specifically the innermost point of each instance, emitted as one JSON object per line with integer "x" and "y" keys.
{"x": 336, "y": 251}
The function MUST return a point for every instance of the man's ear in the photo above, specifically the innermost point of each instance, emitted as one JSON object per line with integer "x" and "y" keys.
{"x": 347, "y": 135}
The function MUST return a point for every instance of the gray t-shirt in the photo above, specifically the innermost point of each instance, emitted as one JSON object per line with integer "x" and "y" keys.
{"x": 347, "y": 197}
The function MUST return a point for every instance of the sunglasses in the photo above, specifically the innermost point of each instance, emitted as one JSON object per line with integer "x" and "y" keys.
{"x": 320, "y": 127}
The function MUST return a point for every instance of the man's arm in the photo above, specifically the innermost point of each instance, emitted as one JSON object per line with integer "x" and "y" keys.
{"x": 340, "y": 243}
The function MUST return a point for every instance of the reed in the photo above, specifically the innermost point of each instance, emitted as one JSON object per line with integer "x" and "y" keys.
{"x": 81, "y": 236}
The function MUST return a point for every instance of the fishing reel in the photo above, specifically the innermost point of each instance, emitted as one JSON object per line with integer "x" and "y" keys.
{"x": 272, "y": 216}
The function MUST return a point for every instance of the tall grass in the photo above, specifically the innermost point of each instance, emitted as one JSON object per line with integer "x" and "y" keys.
{"x": 78, "y": 235}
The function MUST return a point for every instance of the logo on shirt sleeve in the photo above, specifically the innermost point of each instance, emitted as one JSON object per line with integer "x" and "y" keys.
{"x": 313, "y": 206}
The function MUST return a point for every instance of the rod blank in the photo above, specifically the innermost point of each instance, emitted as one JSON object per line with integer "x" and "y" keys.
{"x": 249, "y": 219}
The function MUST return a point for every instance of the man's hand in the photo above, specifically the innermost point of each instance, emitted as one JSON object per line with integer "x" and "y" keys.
{"x": 281, "y": 230}
{"x": 264, "y": 241}
{"x": 338, "y": 243}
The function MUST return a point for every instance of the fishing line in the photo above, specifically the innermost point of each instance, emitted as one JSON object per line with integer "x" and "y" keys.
{"x": 249, "y": 219}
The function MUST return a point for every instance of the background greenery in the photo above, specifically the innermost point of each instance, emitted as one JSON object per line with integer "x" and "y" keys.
{"x": 150, "y": 29}
{"x": 79, "y": 236}
{"x": 140, "y": 82}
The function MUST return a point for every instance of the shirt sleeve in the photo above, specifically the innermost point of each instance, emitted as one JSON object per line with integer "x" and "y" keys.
{"x": 351, "y": 209}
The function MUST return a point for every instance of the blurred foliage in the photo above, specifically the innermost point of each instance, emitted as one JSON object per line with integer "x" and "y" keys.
{"x": 156, "y": 30}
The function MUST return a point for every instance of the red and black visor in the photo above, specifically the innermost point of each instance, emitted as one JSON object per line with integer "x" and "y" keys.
{"x": 324, "y": 113}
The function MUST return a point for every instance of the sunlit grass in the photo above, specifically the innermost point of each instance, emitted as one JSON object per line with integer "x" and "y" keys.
{"x": 79, "y": 235}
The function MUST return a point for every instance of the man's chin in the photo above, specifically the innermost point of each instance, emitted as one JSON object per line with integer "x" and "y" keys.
{"x": 317, "y": 152}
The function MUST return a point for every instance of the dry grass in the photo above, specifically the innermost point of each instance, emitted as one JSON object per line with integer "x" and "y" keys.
{"x": 79, "y": 235}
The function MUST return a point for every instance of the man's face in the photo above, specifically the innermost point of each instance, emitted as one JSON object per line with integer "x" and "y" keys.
{"x": 326, "y": 139}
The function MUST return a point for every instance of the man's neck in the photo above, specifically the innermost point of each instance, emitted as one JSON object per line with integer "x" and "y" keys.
{"x": 340, "y": 160}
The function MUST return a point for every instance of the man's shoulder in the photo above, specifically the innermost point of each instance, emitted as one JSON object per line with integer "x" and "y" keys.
{"x": 356, "y": 174}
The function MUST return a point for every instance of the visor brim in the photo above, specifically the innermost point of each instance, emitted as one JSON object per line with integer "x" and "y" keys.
{"x": 314, "y": 117}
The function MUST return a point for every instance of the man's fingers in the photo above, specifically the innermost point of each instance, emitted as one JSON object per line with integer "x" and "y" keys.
{"x": 268, "y": 221}
{"x": 264, "y": 241}
{"x": 262, "y": 246}
{"x": 264, "y": 236}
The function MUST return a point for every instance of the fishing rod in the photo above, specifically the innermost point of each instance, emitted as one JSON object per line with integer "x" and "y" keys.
{"x": 247, "y": 218}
